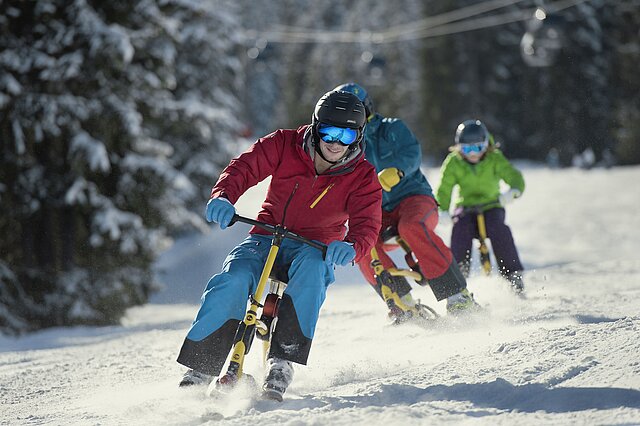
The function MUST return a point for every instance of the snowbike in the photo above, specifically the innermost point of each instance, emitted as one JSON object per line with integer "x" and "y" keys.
{"x": 392, "y": 281}
{"x": 483, "y": 248}
{"x": 261, "y": 316}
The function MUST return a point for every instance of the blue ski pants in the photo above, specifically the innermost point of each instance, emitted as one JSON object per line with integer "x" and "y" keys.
{"x": 226, "y": 294}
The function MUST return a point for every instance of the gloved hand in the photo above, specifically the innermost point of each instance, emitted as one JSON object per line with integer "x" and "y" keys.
{"x": 390, "y": 177}
{"x": 340, "y": 253}
{"x": 508, "y": 196}
{"x": 220, "y": 210}
{"x": 444, "y": 218}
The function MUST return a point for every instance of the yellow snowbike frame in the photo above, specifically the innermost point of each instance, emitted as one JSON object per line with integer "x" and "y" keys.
{"x": 383, "y": 275}
{"x": 250, "y": 324}
{"x": 485, "y": 255}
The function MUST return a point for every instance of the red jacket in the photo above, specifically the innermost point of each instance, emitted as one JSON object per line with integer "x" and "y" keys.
{"x": 322, "y": 204}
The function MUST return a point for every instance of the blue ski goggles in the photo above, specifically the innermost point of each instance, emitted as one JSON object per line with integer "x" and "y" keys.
{"x": 334, "y": 134}
{"x": 477, "y": 148}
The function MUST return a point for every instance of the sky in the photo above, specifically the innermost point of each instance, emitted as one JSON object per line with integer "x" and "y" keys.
{"x": 566, "y": 354}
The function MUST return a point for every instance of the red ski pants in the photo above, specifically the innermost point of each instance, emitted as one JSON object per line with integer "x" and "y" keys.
{"x": 416, "y": 218}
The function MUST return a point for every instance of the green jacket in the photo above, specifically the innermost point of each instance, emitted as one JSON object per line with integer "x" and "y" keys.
{"x": 478, "y": 183}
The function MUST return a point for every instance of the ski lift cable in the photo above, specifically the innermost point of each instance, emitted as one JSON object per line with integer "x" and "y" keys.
{"x": 297, "y": 34}
{"x": 493, "y": 21}
{"x": 428, "y": 22}
{"x": 447, "y": 17}
{"x": 439, "y": 26}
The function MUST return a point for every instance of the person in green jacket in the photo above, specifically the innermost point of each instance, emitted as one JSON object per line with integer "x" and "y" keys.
{"x": 477, "y": 166}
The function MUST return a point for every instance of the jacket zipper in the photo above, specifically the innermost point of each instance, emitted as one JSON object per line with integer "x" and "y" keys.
{"x": 322, "y": 194}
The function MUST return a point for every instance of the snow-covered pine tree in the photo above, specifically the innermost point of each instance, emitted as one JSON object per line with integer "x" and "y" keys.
{"x": 568, "y": 104}
{"x": 109, "y": 112}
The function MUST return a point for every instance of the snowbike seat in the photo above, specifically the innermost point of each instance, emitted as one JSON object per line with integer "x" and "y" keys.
{"x": 389, "y": 233}
{"x": 280, "y": 273}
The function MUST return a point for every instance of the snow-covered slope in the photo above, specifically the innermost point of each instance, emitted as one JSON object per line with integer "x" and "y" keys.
{"x": 568, "y": 354}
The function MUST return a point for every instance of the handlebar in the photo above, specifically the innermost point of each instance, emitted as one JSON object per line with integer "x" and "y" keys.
{"x": 280, "y": 231}
{"x": 478, "y": 208}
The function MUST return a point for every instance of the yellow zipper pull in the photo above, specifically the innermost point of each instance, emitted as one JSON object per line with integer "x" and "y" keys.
{"x": 322, "y": 194}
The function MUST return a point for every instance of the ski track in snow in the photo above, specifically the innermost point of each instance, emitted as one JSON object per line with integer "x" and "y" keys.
{"x": 567, "y": 354}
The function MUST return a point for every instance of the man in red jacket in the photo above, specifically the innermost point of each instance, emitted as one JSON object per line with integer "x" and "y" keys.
{"x": 321, "y": 169}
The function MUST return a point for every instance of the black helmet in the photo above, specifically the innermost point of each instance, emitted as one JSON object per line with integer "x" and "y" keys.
{"x": 361, "y": 93}
{"x": 340, "y": 108}
{"x": 471, "y": 131}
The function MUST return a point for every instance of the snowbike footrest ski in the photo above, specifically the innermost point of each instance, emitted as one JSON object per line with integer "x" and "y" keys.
{"x": 263, "y": 328}
{"x": 272, "y": 395}
{"x": 269, "y": 312}
{"x": 228, "y": 382}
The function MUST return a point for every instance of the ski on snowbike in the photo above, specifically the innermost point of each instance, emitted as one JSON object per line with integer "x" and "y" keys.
{"x": 392, "y": 280}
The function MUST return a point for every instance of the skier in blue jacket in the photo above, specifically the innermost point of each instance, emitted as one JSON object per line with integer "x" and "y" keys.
{"x": 409, "y": 205}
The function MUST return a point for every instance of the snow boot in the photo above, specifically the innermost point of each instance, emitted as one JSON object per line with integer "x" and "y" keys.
{"x": 462, "y": 302}
{"x": 278, "y": 379}
{"x": 417, "y": 313}
{"x": 193, "y": 377}
{"x": 398, "y": 315}
{"x": 515, "y": 279}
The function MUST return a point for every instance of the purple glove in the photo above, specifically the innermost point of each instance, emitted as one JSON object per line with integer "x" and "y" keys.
{"x": 220, "y": 210}
{"x": 340, "y": 253}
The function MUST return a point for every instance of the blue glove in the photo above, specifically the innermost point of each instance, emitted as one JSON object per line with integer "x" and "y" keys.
{"x": 220, "y": 210}
{"x": 340, "y": 253}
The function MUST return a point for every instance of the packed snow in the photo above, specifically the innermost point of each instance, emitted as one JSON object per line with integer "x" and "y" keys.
{"x": 567, "y": 354}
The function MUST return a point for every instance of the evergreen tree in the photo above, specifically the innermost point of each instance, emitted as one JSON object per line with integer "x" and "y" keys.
{"x": 444, "y": 107}
{"x": 110, "y": 112}
{"x": 622, "y": 23}
{"x": 569, "y": 103}
{"x": 480, "y": 74}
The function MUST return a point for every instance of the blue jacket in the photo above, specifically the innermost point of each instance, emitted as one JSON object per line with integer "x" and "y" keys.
{"x": 390, "y": 143}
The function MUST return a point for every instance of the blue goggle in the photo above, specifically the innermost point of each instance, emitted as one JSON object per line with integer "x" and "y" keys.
{"x": 333, "y": 134}
{"x": 470, "y": 148}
